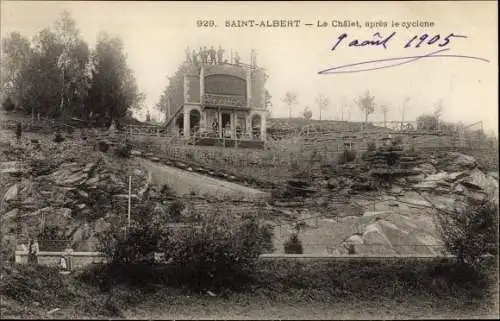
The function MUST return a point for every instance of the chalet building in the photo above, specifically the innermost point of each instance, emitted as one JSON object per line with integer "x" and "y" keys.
{"x": 216, "y": 101}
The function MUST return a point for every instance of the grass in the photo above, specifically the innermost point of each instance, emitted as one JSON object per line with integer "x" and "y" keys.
{"x": 279, "y": 289}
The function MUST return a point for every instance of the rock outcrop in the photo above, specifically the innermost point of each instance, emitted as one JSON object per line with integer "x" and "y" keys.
{"x": 404, "y": 222}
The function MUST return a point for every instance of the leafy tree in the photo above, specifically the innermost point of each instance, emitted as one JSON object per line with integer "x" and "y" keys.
{"x": 73, "y": 64}
{"x": 42, "y": 76}
{"x": 290, "y": 99}
{"x": 113, "y": 89}
{"x": 16, "y": 54}
{"x": 307, "y": 113}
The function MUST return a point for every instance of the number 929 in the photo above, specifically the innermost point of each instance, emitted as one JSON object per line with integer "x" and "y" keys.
{"x": 205, "y": 23}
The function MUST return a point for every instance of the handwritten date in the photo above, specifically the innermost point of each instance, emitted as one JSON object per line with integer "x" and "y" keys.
{"x": 379, "y": 40}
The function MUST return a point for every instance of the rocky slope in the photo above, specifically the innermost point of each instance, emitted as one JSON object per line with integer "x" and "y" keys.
{"x": 67, "y": 187}
{"x": 403, "y": 221}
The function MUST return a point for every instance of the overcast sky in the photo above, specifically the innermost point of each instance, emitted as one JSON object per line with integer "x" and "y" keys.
{"x": 156, "y": 35}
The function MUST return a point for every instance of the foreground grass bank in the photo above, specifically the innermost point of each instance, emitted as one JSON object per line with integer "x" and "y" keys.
{"x": 284, "y": 290}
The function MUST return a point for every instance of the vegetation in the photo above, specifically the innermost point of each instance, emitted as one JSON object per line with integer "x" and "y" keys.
{"x": 57, "y": 75}
{"x": 19, "y": 131}
{"x": 8, "y": 104}
{"x": 471, "y": 232}
{"x": 366, "y": 104}
{"x": 293, "y": 245}
{"x": 216, "y": 251}
{"x": 348, "y": 156}
{"x": 290, "y": 100}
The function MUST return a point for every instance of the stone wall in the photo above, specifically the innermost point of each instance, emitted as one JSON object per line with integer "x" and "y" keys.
{"x": 78, "y": 259}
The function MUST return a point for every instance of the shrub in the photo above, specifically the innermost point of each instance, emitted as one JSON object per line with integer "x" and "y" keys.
{"x": 293, "y": 245}
{"x": 398, "y": 140}
{"x": 175, "y": 210}
{"x": 8, "y": 104}
{"x": 58, "y": 138}
{"x": 471, "y": 232}
{"x": 214, "y": 252}
{"x": 372, "y": 146}
{"x": 218, "y": 252}
{"x": 103, "y": 146}
{"x": 123, "y": 150}
{"x": 347, "y": 156}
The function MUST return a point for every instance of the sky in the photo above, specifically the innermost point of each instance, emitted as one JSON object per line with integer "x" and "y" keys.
{"x": 156, "y": 35}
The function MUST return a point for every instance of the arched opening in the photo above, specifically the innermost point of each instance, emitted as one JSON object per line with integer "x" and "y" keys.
{"x": 256, "y": 126}
{"x": 179, "y": 123}
{"x": 194, "y": 120}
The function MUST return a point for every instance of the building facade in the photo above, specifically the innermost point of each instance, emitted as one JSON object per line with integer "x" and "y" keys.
{"x": 218, "y": 100}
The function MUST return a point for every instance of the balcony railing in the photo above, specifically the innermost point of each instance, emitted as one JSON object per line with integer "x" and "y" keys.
{"x": 224, "y": 100}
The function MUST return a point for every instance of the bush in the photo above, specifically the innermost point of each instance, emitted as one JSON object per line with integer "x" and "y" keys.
{"x": 218, "y": 253}
{"x": 123, "y": 150}
{"x": 103, "y": 146}
{"x": 471, "y": 232}
{"x": 215, "y": 252}
{"x": 347, "y": 156}
{"x": 8, "y": 104}
{"x": 175, "y": 210}
{"x": 398, "y": 140}
{"x": 372, "y": 146}
{"x": 293, "y": 245}
{"x": 58, "y": 138}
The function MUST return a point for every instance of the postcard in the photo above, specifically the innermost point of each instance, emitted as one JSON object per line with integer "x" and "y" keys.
{"x": 249, "y": 160}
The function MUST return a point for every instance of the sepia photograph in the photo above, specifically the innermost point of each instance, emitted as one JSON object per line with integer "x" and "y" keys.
{"x": 330, "y": 160}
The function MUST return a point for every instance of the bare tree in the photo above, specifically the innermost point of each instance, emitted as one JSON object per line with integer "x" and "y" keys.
{"x": 323, "y": 103}
{"x": 290, "y": 100}
{"x": 403, "y": 109}
{"x": 366, "y": 104}
{"x": 385, "y": 110}
{"x": 438, "y": 111}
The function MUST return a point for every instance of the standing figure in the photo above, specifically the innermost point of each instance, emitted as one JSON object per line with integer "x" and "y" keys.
{"x": 253, "y": 58}
{"x": 212, "y": 55}
{"x": 188, "y": 56}
{"x": 205, "y": 55}
{"x": 220, "y": 55}
{"x": 195, "y": 58}
{"x": 33, "y": 252}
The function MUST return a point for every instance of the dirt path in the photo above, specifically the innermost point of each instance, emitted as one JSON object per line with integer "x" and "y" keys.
{"x": 217, "y": 308}
{"x": 184, "y": 182}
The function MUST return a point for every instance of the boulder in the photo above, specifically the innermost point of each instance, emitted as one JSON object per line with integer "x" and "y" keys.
{"x": 415, "y": 178}
{"x": 477, "y": 180}
{"x": 154, "y": 159}
{"x": 427, "y": 168}
{"x": 12, "y": 193}
{"x": 135, "y": 153}
{"x": 452, "y": 177}
{"x": 456, "y": 162}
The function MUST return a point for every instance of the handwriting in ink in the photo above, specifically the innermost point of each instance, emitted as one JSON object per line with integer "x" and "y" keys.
{"x": 380, "y": 41}
{"x": 431, "y": 41}
{"x": 357, "y": 43}
{"x": 397, "y": 61}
